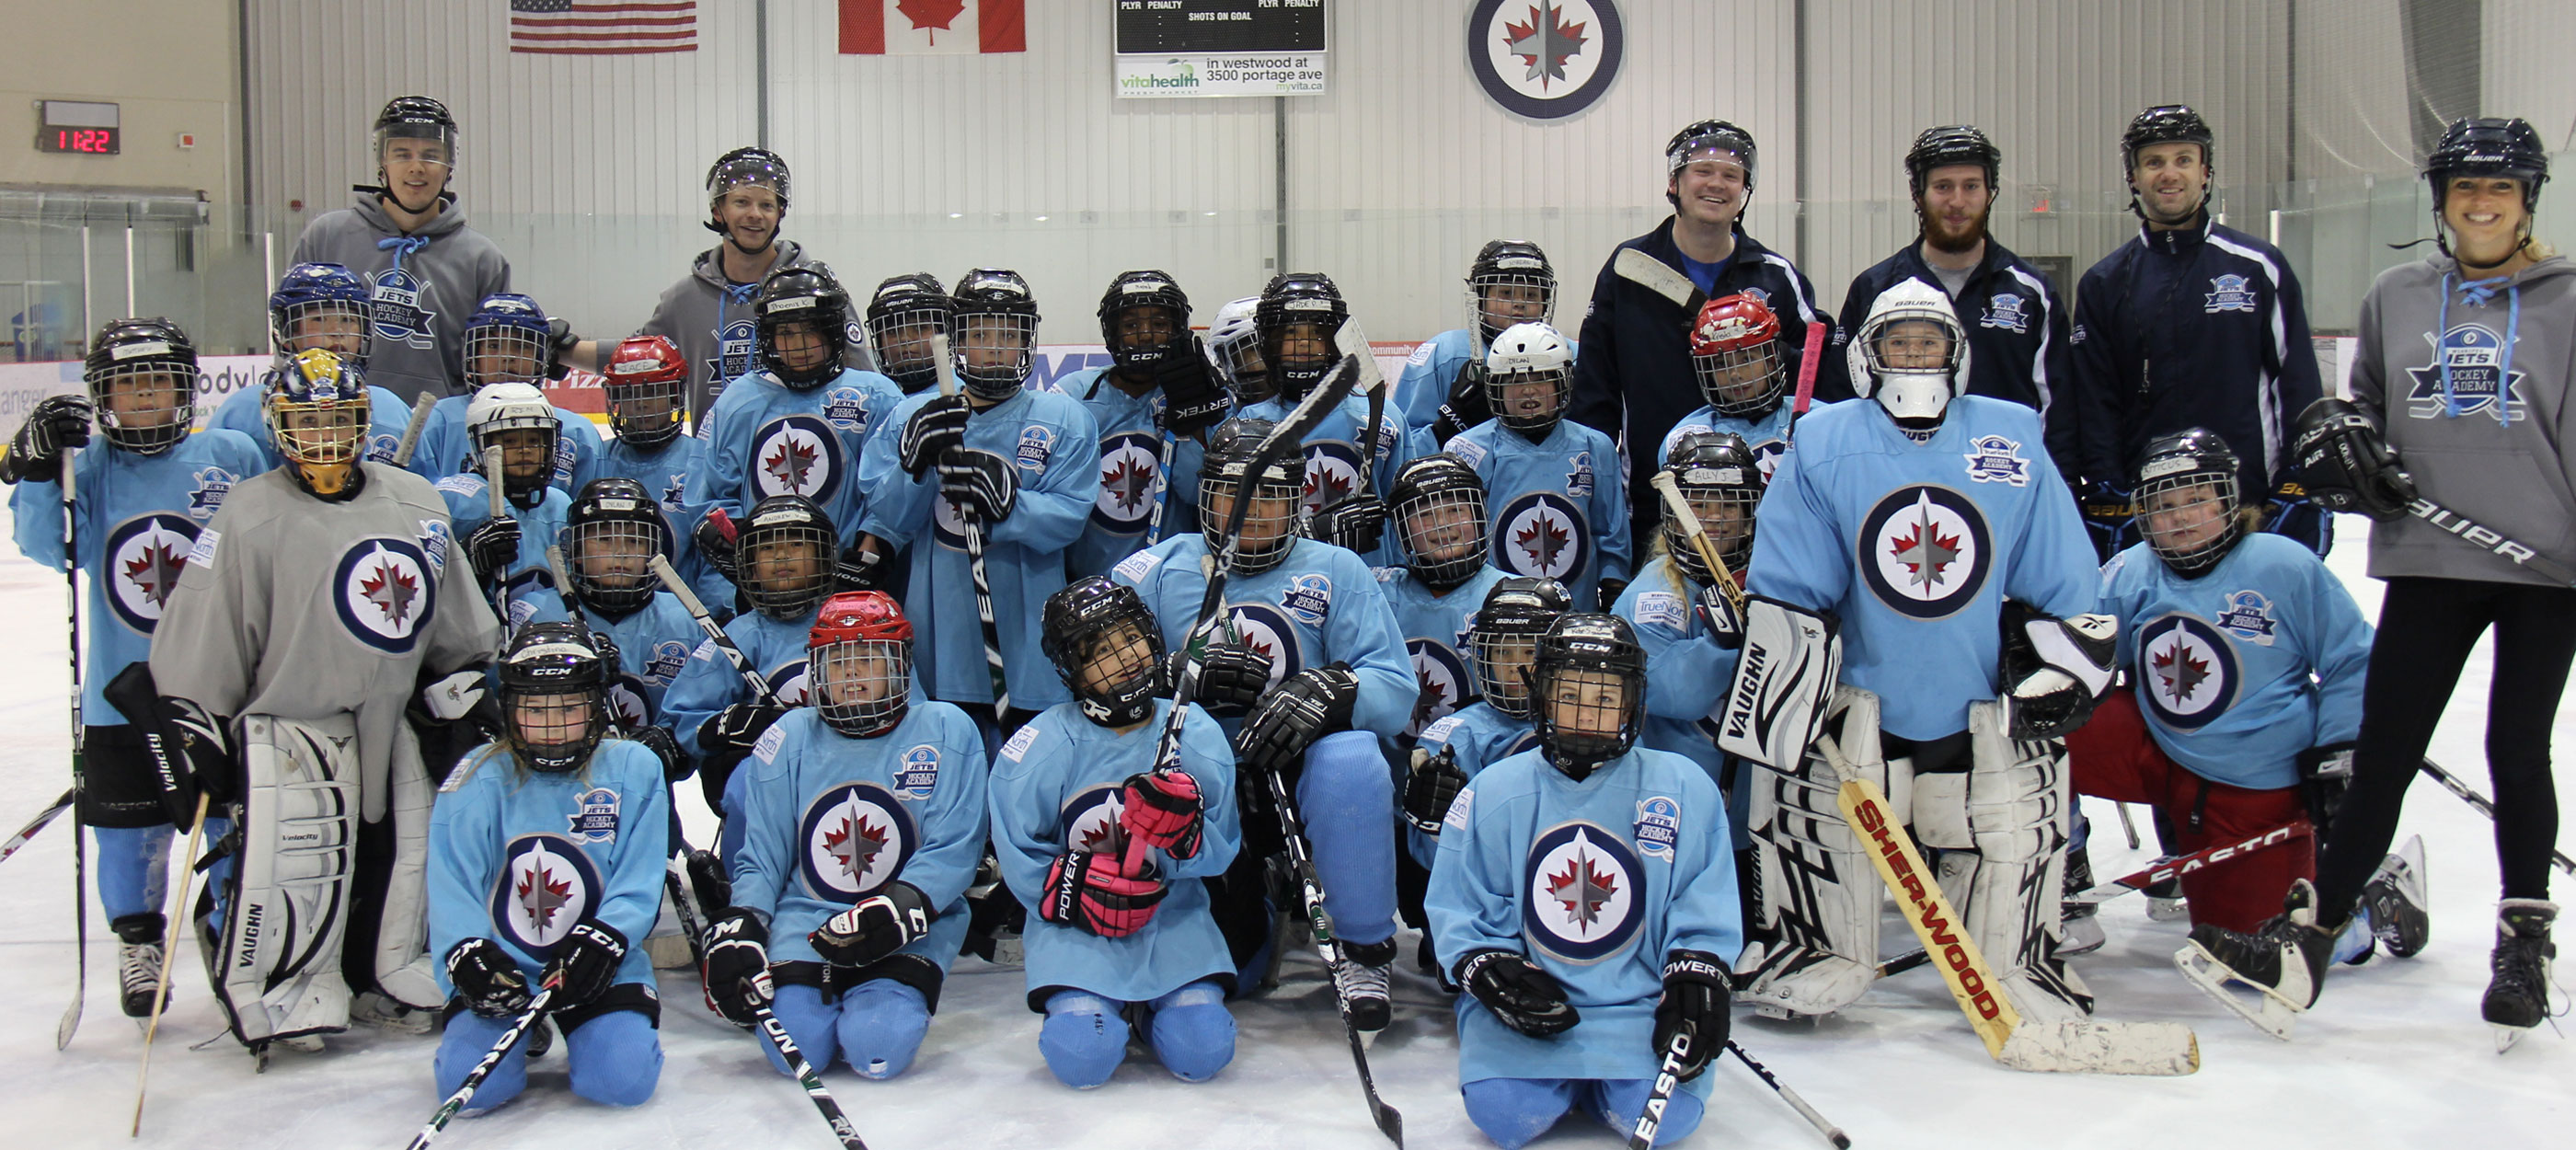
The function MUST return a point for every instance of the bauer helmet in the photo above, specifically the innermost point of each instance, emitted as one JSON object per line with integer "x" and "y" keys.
{"x": 1439, "y": 507}
{"x": 1269, "y": 528}
{"x": 1512, "y": 275}
{"x": 1503, "y": 641}
{"x": 1910, "y": 355}
{"x": 610, "y": 537}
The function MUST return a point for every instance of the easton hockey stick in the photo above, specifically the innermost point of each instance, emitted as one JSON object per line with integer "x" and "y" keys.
{"x": 697, "y": 610}
{"x": 1832, "y": 1133}
{"x": 420, "y": 409}
{"x": 1668, "y": 1075}
{"x": 536, "y": 1009}
{"x": 169, "y": 951}
{"x": 1310, "y": 890}
{"x": 37, "y": 823}
{"x": 776, "y": 1032}
{"x": 2176, "y": 866}
{"x": 2478, "y": 801}
{"x": 71, "y": 1019}
{"x": 971, "y": 526}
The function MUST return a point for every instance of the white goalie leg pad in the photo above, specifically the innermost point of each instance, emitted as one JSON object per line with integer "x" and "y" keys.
{"x": 2000, "y": 828}
{"x": 403, "y": 966}
{"x": 280, "y": 972}
{"x": 1818, "y": 898}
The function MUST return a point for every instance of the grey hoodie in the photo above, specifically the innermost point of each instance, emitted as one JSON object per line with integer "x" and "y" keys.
{"x": 2505, "y": 461}
{"x": 705, "y": 313}
{"x": 425, "y": 287}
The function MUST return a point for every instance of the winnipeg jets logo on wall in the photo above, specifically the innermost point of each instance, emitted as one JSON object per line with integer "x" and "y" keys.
{"x": 854, "y": 839}
{"x": 2005, "y": 311}
{"x": 1265, "y": 628}
{"x": 1586, "y": 891}
{"x": 1332, "y": 473}
{"x": 2187, "y": 670}
{"x": 400, "y": 310}
{"x": 796, "y": 455}
{"x": 1545, "y": 59}
{"x": 1443, "y": 676}
{"x": 2229, "y": 292}
{"x": 1542, "y": 533}
{"x": 144, "y": 556}
{"x": 2476, "y": 360}
{"x": 1925, "y": 550}
{"x": 1131, "y": 470}
{"x": 1092, "y": 820}
{"x": 384, "y": 593}
{"x": 545, "y": 885}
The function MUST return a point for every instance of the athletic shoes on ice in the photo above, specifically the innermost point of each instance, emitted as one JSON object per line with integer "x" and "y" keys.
{"x": 2394, "y": 898}
{"x": 2286, "y": 960}
{"x": 1362, "y": 981}
{"x": 139, "y": 956}
{"x": 2079, "y": 924}
{"x": 2518, "y": 995}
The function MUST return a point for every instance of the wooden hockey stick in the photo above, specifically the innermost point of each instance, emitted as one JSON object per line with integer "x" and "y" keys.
{"x": 528, "y": 1017}
{"x": 169, "y": 950}
{"x": 492, "y": 477}
{"x": 71, "y": 1019}
{"x": 971, "y": 525}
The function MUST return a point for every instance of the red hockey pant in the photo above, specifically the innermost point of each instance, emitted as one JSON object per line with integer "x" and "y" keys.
{"x": 2114, "y": 758}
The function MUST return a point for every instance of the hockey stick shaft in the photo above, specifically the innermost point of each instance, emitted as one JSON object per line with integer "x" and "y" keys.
{"x": 1680, "y": 509}
{"x": 420, "y": 409}
{"x": 37, "y": 823}
{"x": 492, "y": 479}
{"x": 1162, "y": 488}
{"x": 2176, "y": 866}
{"x": 776, "y": 1032}
{"x": 1811, "y": 358}
{"x": 2452, "y": 783}
{"x": 1310, "y": 887}
{"x": 2480, "y": 535}
{"x": 528, "y": 1017}
{"x": 971, "y": 525}
{"x": 1832, "y": 1133}
{"x": 697, "y": 610}
{"x": 169, "y": 951}
{"x": 71, "y": 1020}
{"x": 1668, "y": 1075}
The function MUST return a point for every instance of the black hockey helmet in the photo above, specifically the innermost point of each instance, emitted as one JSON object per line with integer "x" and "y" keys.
{"x": 905, "y": 311}
{"x": 1720, "y": 478}
{"x": 995, "y": 304}
{"x": 1137, "y": 289}
{"x": 2188, "y": 503}
{"x": 1278, "y": 494}
{"x": 546, "y": 662}
{"x": 786, "y": 593}
{"x": 1603, "y": 649}
{"x": 161, "y": 364}
{"x": 1706, "y": 135}
{"x": 1439, "y": 507}
{"x": 416, "y": 118}
{"x": 1948, "y": 145}
{"x": 805, "y": 293}
{"x": 1503, "y": 639}
{"x": 2487, "y": 146}
{"x": 2164, "y": 124}
{"x": 757, "y": 166}
{"x": 1076, "y": 618}
{"x": 1293, "y": 298}
{"x": 610, "y": 537}
{"x": 1509, "y": 264}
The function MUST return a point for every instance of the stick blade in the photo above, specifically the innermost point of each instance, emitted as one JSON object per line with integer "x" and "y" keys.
{"x": 70, "y": 1024}
{"x": 2154, "y": 1049}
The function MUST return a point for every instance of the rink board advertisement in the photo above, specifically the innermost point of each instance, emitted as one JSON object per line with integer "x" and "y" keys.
{"x": 1190, "y": 49}
{"x": 1182, "y": 77}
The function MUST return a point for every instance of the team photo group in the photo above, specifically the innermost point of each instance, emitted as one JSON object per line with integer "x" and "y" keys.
{"x": 1620, "y": 665}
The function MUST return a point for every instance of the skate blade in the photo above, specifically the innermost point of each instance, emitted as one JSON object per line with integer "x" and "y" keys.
{"x": 2083, "y": 936}
{"x": 2168, "y": 909}
{"x": 2268, "y": 1012}
{"x": 2507, "y": 1036}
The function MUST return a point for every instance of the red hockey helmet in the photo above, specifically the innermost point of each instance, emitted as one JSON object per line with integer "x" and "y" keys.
{"x": 1735, "y": 353}
{"x": 643, "y": 380}
{"x": 856, "y": 616}
{"x": 858, "y": 663}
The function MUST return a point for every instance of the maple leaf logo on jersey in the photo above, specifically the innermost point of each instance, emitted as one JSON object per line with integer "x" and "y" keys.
{"x": 541, "y": 895}
{"x": 1925, "y": 552}
{"x": 1583, "y": 888}
{"x": 2182, "y": 673}
{"x": 856, "y": 852}
{"x": 929, "y": 14}
{"x": 1129, "y": 484}
{"x": 1103, "y": 837}
{"x": 789, "y": 464}
{"x": 391, "y": 590}
{"x": 1324, "y": 490}
{"x": 1545, "y": 43}
{"x": 1543, "y": 539}
{"x": 155, "y": 572}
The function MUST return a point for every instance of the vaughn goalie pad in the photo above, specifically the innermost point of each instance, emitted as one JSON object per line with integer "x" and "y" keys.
{"x": 279, "y": 970}
{"x": 1814, "y": 942}
{"x": 1784, "y": 678}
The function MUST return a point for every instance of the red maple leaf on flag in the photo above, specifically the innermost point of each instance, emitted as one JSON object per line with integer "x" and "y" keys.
{"x": 155, "y": 572}
{"x": 1544, "y": 540}
{"x": 1583, "y": 888}
{"x": 2182, "y": 673}
{"x": 928, "y": 14}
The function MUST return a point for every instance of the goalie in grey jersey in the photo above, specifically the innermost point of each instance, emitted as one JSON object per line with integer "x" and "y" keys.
{"x": 305, "y": 621}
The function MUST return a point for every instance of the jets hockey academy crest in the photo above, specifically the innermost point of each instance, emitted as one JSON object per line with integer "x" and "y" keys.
{"x": 918, "y": 774}
{"x": 1333, "y": 473}
{"x": 855, "y": 838}
{"x": 1586, "y": 893}
{"x": 1544, "y": 534}
{"x": 735, "y": 341}
{"x": 1995, "y": 459}
{"x": 2230, "y": 292}
{"x": 1131, "y": 479}
{"x": 797, "y": 455}
{"x": 1093, "y": 820}
{"x": 1926, "y": 550}
{"x": 594, "y": 817}
{"x": 1443, "y": 676}
{"x": 2248, "y": 616}
{"x": 1545, "y": 59}
{"x": 1036, "y": 447}
{"x": 385, "y": 593}
{"x": 2477, "y": 361}
{"x": 546, "y": 884}
{"x": 207, "y": 497}
{"x": 2188, "y": 671}
{"x": 2006, "y": 311}
{"x": 400, "y": 310}
{"x": 144, "y": 556}
{"x": 1659, "y": 827}
{"x": 847, "y": 409}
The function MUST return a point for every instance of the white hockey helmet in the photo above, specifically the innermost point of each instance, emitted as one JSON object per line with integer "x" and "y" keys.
{"x": 1528, "y": 353}
{"x": 504, "y": 407}
{"x": 1915, "y": 381}
{"x": 1234, "y": 345}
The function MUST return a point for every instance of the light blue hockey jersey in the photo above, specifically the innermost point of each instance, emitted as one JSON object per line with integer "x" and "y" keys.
{"x": 519, "y": 857}
{"x": 531, "y": 580}
{"x": 1917, "y": 545}
{"x": 708, "y": 683}
{"x": 829, "y": 820}
{"x": 665, "y": 473}
{"x": 1131, "y": 474}
{"x": 1333, "y": 468}
{"x": 1435, "y": 629}
{"x": 1687, "y": 674}
{"x": 764, "y": 438}
{"x": 1477, "y": 736}
{"x": 1430, "y": 370}
{"x": 387, "y": 417}
{"x": 653, "y": 646}
{"x": 446, "y": 449}
{"x": 1058, "y": 785}
{"x": 1557, "y": 508}
{"x": 2239, "y": 670}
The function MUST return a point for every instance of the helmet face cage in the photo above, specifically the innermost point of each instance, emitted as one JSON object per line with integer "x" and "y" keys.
{"x": 142, "y": 379}
{"x": 1724, "y": 505}
{"x": 995, "y": 351}
{"x": 1910, "y": 355}
{"x": 860, "y": 687}
{"x": 902, "y": 319}
{"x": 812, "y": 302}
{"x": 317, "y": 410}
{"x": 2187, "y": 501}
{"x": 1130, "y": 293}
{"x": 496, "y": 412}
{"x": 787, "y": 564}
{"x": 1511, "y": 282}
{"x": 1442, "y": 530}
{"x": 610, "y": 553}
{"x": 321, "y": 306}
{"x": 1529, "y": 378}
{"x": 554, "y": 697}
{"x": 1299, "y": 312}
{"x": 1269, "y": 526}
{"x": 1106, "y": 647}
{"x": 642, "y": 382}
{"x": 1503, "y": 646}
{"x": 506, "y": 347}
{"x": 1588, "y": 692}
{"x": 1746, "y": 382}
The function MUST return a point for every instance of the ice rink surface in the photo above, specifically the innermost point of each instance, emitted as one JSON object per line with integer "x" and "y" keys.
{"x": 2394, "y": 1056}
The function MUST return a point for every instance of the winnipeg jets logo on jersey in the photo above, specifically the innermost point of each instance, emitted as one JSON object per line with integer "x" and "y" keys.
{"x": 144, "y": 557}
{"x": 2186, "y": 670}
{"x": 855, "y": 838}
{"x": 400, "y": 310}
{"x": 847, "y": 408}
{"x": 1131, "y": 478}
{"x": 2230, "y": 292}
{"x": 1443, "y": 675}
{"x": 1542, "y": 533}
{"x": 2248, "y": 616}
{"x": 1995, "y": 459}
{"x": 207, "y": 496}
{"x": 2008, "y": 312}
{"x": 787, "y": 681}
{"x": 796, "y": 455}
{"x": 545, "y": 885}
{"x": 1093, "y": 820}
{"x": 385, "y": 593}
{"x": 1586, "y": 890}
{"x": 1265, "y": 628}
{"x": 594, "y": 816}
{"x": 1926, "y": 551}
{"x": 1333, "y": 473}
{"x": 2476, "y": 358}
{"x": 626, "y": 705}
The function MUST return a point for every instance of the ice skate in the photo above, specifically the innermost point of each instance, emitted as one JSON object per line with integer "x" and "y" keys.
{"x": 2396, "y": 902}
{"x": 139, "y": 951}
{"x": 2079, "y": 924}
{"x": 2518, "y": 995}
{"x": 1362, "y": 981}
{"x": 2286, "y": 960}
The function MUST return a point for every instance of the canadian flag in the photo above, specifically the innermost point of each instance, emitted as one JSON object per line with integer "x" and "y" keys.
{"x": 932, "y": 27}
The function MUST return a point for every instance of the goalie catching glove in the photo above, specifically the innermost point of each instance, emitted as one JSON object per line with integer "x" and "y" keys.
{"x": 2346, "y": 464}
{"x": 2055, "y": 670}
{"x": 876, "y": 927}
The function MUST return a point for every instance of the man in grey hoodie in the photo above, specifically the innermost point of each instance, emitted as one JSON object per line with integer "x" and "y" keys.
{"x": 407, "y": 238}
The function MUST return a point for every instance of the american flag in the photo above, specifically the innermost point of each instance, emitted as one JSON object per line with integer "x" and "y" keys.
{"x": 603, "y": 27}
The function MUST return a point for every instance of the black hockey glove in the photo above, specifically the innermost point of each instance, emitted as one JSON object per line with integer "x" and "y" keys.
{"x": 716, "y": 539}
{"x": 2110, "y": 516}
{"x": 1521, "y": 995}
{"x": 737, "y": 966}
{"x": 1192, "y": 400}
{"x": 879, "y": 925}
{"x": 1695, "y": 995}
{"x": 2325, "y": 774}
{"x": 2346, "y": 465}
{"x": 862, "y": 565}
{"x": 980, "y": 483}
{"x": 1725, "y": 624}
{"x": 2054, "y": 670}
{"x": 1465, "y": 407}
{"x": 190, "y": 746}
{"x": 1232, "y": 677}
{"x": 1356, "y": 523}
{"x": 587, "y": 960}
{"x": 493, "y": 547}
{"x": 562, "y": 341}
{"x": 733, "y": 730}
{"x": 675, "y": 766}
{"x": 1432, "y": 786}
{"x": 936, "y": 428}
{"x": 1313, "y": 703}
{"x": 1610, "y": 590}
{"x": 58, "y": 421}
{"x": 487, "y": 979}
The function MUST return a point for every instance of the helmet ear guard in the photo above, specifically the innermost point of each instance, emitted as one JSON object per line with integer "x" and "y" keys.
{"x": 1917, "y": 394}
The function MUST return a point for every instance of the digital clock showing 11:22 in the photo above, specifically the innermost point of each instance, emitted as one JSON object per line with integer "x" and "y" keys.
{"x": 86, "y": 141}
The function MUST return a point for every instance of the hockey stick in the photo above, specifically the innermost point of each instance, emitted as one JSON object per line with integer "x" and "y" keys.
{"x": 169, "y": 951}
{"x": 971, "y": 526}
{"x": 492, "y": 476}
{"x": 420, "y": 409}
{"x": 2128, "y": 826}
{"x": 1810, "y": 357}
{"x": 1354, "y": 346}
{"x": 697, "y": 610}
{"x": 776, "y": 1032}
{"x": 2478, "y": 801}
{"x": 1832, "y": 1133}
{"x": 1654, "y": 275}
{"x": 38, "y": 823}
{"x": 1680, "y": 509}
{"x": 2175, "y": 866}
{"x": 1668, "y": 1075}
{"x": 1310, "y": 889}
{"x": 71, "y": 1020}
{"x": 2479, "y": 535}
{"x": 528, "y": 1017}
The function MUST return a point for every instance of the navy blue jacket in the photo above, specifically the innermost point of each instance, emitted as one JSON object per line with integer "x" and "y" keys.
{"x": 2191, "y": 328}
{"x": 2017, "y": 342}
